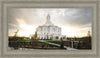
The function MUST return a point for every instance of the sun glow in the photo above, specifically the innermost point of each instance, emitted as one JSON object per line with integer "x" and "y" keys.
{"x": 26, "y": 20}
{"x": 26, "y": 30}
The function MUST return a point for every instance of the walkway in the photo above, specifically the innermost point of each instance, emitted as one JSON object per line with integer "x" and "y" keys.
{"x": 67, "y": 48}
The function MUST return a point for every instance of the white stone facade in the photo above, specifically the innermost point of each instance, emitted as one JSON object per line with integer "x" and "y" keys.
{"x": 49, "y": 31}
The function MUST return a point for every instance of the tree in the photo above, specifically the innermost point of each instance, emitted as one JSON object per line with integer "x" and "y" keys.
{"x": 15, "y": 40}
{"x": 34, "y": 42}
{"x": 35, "y": 35}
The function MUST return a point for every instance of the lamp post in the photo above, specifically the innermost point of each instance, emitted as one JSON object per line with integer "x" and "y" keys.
{"x": 79, "y": 44}
{"x": 62, "y": 44}
{"x": 72, "y": 43}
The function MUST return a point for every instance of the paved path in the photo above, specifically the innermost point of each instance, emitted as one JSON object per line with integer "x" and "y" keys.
{"x": 10, "y": 48}
{"x": 67, "y": 48}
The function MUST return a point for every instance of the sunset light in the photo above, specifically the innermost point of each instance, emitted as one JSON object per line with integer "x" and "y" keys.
{"x": 49, "y": 28}
{"x": 27, "y": 20}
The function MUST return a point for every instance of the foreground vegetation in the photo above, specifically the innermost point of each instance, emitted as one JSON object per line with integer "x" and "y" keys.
{"x": 78, "y": 43}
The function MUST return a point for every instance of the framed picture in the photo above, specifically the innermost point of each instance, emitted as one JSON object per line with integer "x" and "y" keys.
{"x": 49, "y": 28}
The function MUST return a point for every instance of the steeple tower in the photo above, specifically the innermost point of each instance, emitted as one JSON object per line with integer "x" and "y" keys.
{"x": 48, "y": 18}
{"x": 48, "y": 22}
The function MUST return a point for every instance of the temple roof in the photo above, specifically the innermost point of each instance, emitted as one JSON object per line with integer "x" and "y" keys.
{"x": 48, "y": 23}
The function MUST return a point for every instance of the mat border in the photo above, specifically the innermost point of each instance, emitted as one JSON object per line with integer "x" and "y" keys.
{"x": 1, "y": 35}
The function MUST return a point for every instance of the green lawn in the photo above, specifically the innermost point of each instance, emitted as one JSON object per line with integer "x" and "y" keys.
{"x": 29, "y": 40}
{"x": 56, "y": 42}
{"x": 42, "y": 42}
{"x": 24, "y": 40}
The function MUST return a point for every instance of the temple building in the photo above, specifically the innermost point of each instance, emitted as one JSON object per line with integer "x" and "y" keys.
{"x": 49, "y": 31}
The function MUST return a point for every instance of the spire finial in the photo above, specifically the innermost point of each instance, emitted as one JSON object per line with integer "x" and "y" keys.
{"x": 48, "y": 17}
{"x": 48, "y": 14}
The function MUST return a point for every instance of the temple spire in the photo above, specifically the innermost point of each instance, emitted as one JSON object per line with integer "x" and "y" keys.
{"x": 48, "y": 18}
{"x": 48, "y": 22}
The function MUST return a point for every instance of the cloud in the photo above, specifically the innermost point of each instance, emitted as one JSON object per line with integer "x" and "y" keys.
{"x": 75, "y": 17}
{"x": 63, "y": 17}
